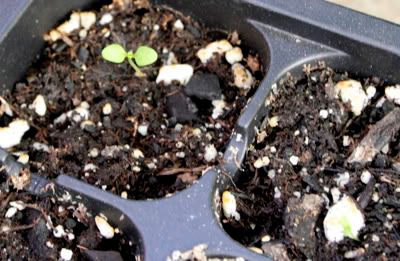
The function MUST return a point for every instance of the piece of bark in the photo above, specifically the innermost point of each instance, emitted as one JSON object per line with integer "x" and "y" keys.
{"x": 378, "y": 136}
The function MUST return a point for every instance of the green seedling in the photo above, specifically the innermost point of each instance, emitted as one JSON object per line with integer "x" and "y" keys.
{"x": 143, "y": 56}
{"x": 347, "y": 231}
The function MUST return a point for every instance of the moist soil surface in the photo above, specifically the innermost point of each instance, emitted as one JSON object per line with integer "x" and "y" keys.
{"x": 265, "y": 194}
{"x": 113, "y": 151}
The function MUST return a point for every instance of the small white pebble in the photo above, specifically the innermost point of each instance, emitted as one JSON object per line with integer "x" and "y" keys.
{"x": 323, "y": 114}
{"x": 107, "y": 108}
{"x": 136, "y": 169}
{"x": 297, "y": 194}
{"x": 18, "y": 204}
{"x": 180, "y": 154}
{"x": 5, "y": 107}
{"x": 335, "y": 192}
{"x": 49, "y": 244}
{"x": 175, "y": 72}
{"x": 294, "y": 160}
{"x": 351, "y": 92}
{"x": 124, "y": 194}
{"x": 277, "y": 193}
{"x": 229, "y": 206}
{"x": 93, "y": 153}
{"x": 179, "y": 145}
{"x": 306, "y": 140}
{"x": 178, "y": 127}
{"x": 39, "y": 105}
{"x": 385, "y": 149}
{"x": 151, "y": 165}
{"x": 210, "y": 153}
{"x": 12, "y": 134}
{"x": 234, "y": 55}
{"x": 266, "y": 238}
{"x": 218, "y": 110}
{"x": 23, "y": 158}
{"x": 87, "y": 19}
{"x": 106, "y": 19}
{"x": 242, "y": 77}
{"x": 256, "y": 250}
{"x": 142, "y": 129}
{"x": 90, "y": 167}
{"x": 272, "y": 149}
{"x": 371, "y": 91}
{"x": 11, "y": 212}
{"x": 70, "y": 236}
{"x": 178, "y": 25}
{"x": 137, "y": 154}
{"x": 273, "y": 121}
{"x": 271, "y": 173}
{"x": 296, "y": 133}
{"x": 375, "y": 197}
{"x": 261, "y": 162}
{"x": 375, "y": 238}
{"x": 219, "y": 47}
{"x": 106, "y": 230}
{"x": 66, "y": 254}
{"x": 346, "y": 141}
{"x": 393, "y": 93}
{"x": 59, "y": 231}
{"x": 342, "y": 179}
{"x": 365, "y": 176}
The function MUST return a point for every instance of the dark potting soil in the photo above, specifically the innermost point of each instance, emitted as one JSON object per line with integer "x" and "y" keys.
{"x": 264, "y": 195}
{"x": 173, "y": 150}
{"x": 107, "y": 150}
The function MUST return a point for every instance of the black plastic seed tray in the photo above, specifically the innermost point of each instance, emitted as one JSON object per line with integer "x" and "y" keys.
{"x": 287, "y": 34}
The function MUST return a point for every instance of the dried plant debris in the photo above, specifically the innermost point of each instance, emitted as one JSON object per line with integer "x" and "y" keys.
{"x": 321, "y": 181}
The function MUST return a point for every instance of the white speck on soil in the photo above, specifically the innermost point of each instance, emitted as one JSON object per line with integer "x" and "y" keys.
{"x": 273, "y": 121}
{"x": 323, "y": 114}
{"x": 124, "y": 194}
{"x": 351, "y": 91}
{"x": 218, "y": 110}
{"x": 210, "y": 153}
{"x": 219, "y": 47}
{"x": 106, "y": 230}
{"x": 107, "y": 108}
{"x": 242, "y": 77}
{"x": 175, "y": 72}
{"x": 106, "y": 19}
{"x": 277, "y": 193}
{"x": 142, "y": 129}
{"x": 229, "y": 206}
{"x": 58, "y": 231}
{"x": 294, "y": 160}
{"x": 39, "y": 105}
{"x": 365, "y": 176}
{"x": 234, "y": 55}
{"x": 93, "y": 153}
{"x": 261, "y": 162}
{"x": 346, "y": 141}
{"x": 5, "y": 107}
{"x": 335, "y": 192}
{"x": 271, "y": 173}
{"x": 178, "y": 25}
{"x": 393, "y": 93}
{"x": 11, "y": 135}
{"x": 342, "y": 179}
{"x": 66, "y": 254}
{"x": 11, "y": 212}
{"x": 181, "y": 154}
{"x": 371, "y": 91}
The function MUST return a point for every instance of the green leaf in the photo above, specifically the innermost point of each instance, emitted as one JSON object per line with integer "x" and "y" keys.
{"x": 145, "y": 56}
{"x": 114, "y": 53}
